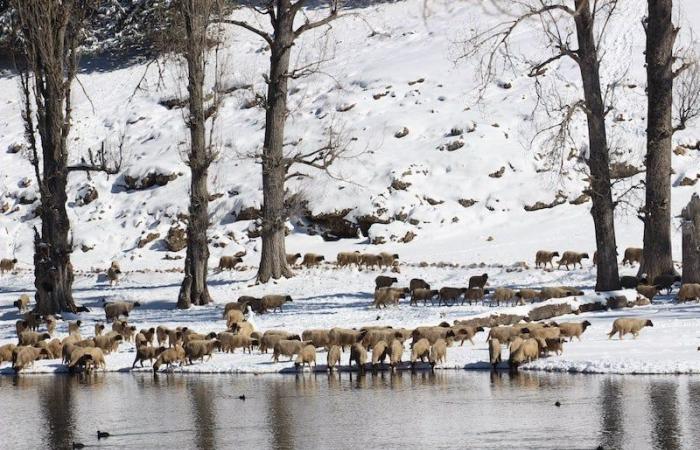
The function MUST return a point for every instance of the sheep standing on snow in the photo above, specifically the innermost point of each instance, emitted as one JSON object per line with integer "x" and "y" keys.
{"x": 109, "y": 342}
{"x": 503, "y": 295}
{"x": 474, "y": 295}
{"x": 6, "y": 352}
{"x": 666, "y": 281}
{"x": 544, "y": 257}
{"x": 387, "y": 296}
{"x": 229, "y": 262}
{"x": 113, "y": 273}
{"x": 292, "y": 258}
{"x": 169, "y": 357}
{"x": 573, "y": 330}
{"x": 528, "y": 294}
{"x": 344, "y": 337}
{"x": 466, "y": 333}
{"x": 688, "y": 292}
{"x": 230, "y": 342}
{"x": 388, "y": 259}
{"x": 7, "y": 265}
{"x": 233, "y": 316}
{"x": 571, "y": 258}
{"x": 312, "y": 260}
{"x": 199, "y": 349}
{"x": 432, "y": 334}
{"x": 495, "y": 352}
{"x": 275, "y": 302}
{"x": 145, "y": 352}
{"x": 395, "y": 353}
{"x": 358, "y": 354}
{"x": 527, "y": 350}
{"x": 348, "y": 258}
{"x": 319, "y": 338}
{"x": 307, "y": 355}
{"x": 380, "y": 351}
{"x": 420, "y": 350}
{"x": 115, "y": 309}
{"x": 383, "y": 281}
{"x": 478, "y": 281}
{"x": 333, "y": 357}
{"x": 24, "y": 357}
{"x": 286, "y": 347}
{"x": 555, "y": 345}
{"x": 370, "y": 261}
{"x": 417, "y": 283}
{"x": 425, "y": 295}
{"x": 627, "y": 325}
{"x": 51, "y": 323}
{"x": 632, "y": 255}
{"x": 22, "y": 303}
{"x": 438, "y": 352}
{"x": 271, "y": 337}
{"x": 450, "y": 295}
{"x": 32, "y": 337}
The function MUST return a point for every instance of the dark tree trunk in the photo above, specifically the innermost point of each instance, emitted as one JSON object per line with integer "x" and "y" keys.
{"x": 657, "y": 258}
{"x": 691, "y": 241}
{"x": 603, "y": 209}
{"x": 273, "y": 263}
{"x": 194, "y": 286}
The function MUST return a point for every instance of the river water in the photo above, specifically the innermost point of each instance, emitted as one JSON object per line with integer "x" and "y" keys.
{"x": 448, "y": 409}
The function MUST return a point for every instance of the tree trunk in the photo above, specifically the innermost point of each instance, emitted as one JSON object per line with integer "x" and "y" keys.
{"x": 194, "y": 286}
{"x": 657, "y": 258}
{"x": 273, "y": 263}
{"x": 603, "y": 209}
{"x": 691, "y": 241}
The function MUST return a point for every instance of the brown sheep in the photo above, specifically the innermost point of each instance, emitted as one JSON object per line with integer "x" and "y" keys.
{"x": 632, "y": 255}
{"x": 161, "y": 334}
{"x": 648, "y": 291}
{"x": 505, "y": 334}
{"x": 148, "y": 335}
{"x": 145, "y": 352}
{"x": 478, "y": 281}
{"x": 244, "y": 328}
{"x": 571, "y": 258}
{"x": 190, "y": 335}
{"x": 292, "y": 258}
{"x": 312, "y": 260}
{"x": 545, "y": 332}
{"x": 333, "y": 357}
{"x": 688, "y": 292}
{"x": 450, "y": 295}
{"x": 432, "y": 334}
{"x": 7, "y": 265}
{"x": 383, "y": 281}
{"x": 237, "y": 306}
{"x": 348, "y": 258}
{"x": 527, "y": 350}
{"x": 380, "y": 352}
{"x": 115, "y": 309}
{"x": 32, "y": 337}
{"x": 169, "y": 357}
{"x": 79, "y": 358}
{"x": 32, "y": 319}
{"x": 504, "y": 295}
{"x": 358, "y": 354}
{"x": 22, "y": 303}
{"x": 233, "y": 316}
{"x": 554, "y": 292}
{"x": 286, "y": 347}
{"x": 97, "y": 357}
{"x": 230, "y": 342}
{"x": 129, "y": 333}
{"x": 109, "y": 342}
{"x": 423, "y": 294}
{"x": 113, "y": 274}
{"x": 271, "y": 337}
{"x": 388, "y": 259}
{"x": 420, "y": 350}
{"x": 417, "y": 283}
{"x": 254, "y": 303}
{"x": 24, "y": 357}
{"x": 74, "y": 327}
{"x": 495, "y": 351}
{"x": 370, "y": 261}
{"x": 438, "y": 352}
{"x": 544, "y": 257}
{"x": 372, "y": 337}
{"x": 51, "y": 323}
{"x": 275, "y": 302}
{"x": 573, "y": 330}
{"x": 466, "y": 333}
{"x": 528, "y": 294}
{"x": 6, "y": 352}
{"x": 555, "y": 345}
{"x": 54, "y": 347}
{"x": 395, "y": 353}
{"x": 627, "y": 325}
{"x": 20, "y": 326}
{"x": 119, "y": 326}
{"x": 318, "y": 338}
{"x": 307, "y": 355}
{"x": 229, "y": 262}
{"x": 199, "y": 349}
{"x": 344, "y": 337}
{"x": 474, "y": 295}
{"x": 387, "y": 296}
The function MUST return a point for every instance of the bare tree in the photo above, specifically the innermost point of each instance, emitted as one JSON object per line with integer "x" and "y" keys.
{"x": 275, "y": 165}
{"x": 690, "y": 228}
{"x": 574, "y": 30}
{"x": 49, "y": 34}
{"x": 661, "y": 34}
{"x": 195, "y": 17}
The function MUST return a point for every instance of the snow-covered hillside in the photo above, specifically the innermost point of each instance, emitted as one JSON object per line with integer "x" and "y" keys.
{"x": 391, "y": 68}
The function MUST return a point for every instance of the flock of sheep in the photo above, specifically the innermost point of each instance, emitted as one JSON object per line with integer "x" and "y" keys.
{"x": 162, "y": 346}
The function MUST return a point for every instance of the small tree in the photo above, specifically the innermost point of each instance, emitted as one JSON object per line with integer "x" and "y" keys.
{"x": 49, "y": 34}
{"x": 275, "y": 164}
{"x": 574, "y": 30}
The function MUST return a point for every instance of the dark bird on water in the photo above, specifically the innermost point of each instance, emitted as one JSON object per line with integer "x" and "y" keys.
{"x": 557, "y": 404}
{"x": 241, "y": 397}
{"x": 78, "y": 445}
{"x": 102, "y": 435}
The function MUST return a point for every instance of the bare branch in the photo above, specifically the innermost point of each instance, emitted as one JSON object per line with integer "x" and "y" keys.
{"x": 268, "y": 38}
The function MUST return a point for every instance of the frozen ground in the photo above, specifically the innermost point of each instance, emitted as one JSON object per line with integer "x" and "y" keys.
{"x": 327, "y": 297}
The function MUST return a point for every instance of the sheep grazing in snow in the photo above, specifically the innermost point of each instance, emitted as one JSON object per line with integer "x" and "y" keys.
{"x": 307, "y": 355}
{"x": 344, "y": 259}
{"x": 383, "y": 281}
{"x": 395, "y": 353}
{"x": 370, "y": 261}
{"x": 24, "y": 357}
{"x": 525, "y": 351}
{"x": 688, "y": 292}
{"x": 494, "y": 352}
{"x": 115, "y": 309}
{"x": 312, "y": 260}
{"x": 380, "y": 351}
{"x": 7, "y": 265}
{"x": 292, "y": 258}
{"x": 199, "y": 349}
{"x": 544, "y": 257}
{"x": 6, "y": 352}
{"x": 573, "y": 330}
{"x": 274, "y": 302}
{"x": 438, "y": 352}
{"x": 170, "y": 357}
{"x": 632, "y": 255}
{"x": 571, "y": 258}
{"x": 333, "y": 357}
{"x": 113, "y": 273}
{"x": 648, "y": 291}
{"x": 420, "y": 350}
{"x": 627, "y": 325}
{"x": 22, "y": 303}
{"x": 528, "y": 294}
{"x": 233, "y": 316}
{"x": 229, "y": 262}
{"x": 478, "y": 281}
{"x": 358, "y": 354}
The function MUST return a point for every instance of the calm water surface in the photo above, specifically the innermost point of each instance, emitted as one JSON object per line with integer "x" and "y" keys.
{"x": 421, "y": 411}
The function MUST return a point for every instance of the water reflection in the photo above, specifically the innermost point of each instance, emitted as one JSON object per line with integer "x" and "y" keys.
{"x": 665, "y": 430}
{"x": 611, "y": 417}
{"x": 203, "y": 414}
{"x": 56, "y": 405}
